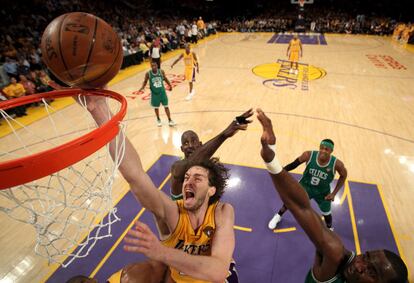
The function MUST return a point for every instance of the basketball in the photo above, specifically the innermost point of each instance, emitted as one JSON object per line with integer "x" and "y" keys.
{"x": 81, "y": 50}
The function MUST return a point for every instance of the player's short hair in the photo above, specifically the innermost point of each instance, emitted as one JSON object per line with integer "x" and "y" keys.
{"x": 399, "y": 267}
{"x": 189, "y": 132}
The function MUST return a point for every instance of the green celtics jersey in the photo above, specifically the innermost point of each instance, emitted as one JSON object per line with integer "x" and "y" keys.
{"x": 310, "y": 278}
{"x": 317, "y": 178}
{"x": 156, "y": 83}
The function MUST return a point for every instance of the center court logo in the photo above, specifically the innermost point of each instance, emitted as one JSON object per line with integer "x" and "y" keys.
{"x": 277, "y": 75}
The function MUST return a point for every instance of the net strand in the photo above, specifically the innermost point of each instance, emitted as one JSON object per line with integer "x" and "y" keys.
{"x": 70, "y": 210}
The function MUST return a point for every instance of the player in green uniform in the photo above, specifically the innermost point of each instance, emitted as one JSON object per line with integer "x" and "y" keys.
{"x": 333, "y": 262}
{"x": 158, "y": 94}
{"x": 195, "y": 151}
{"x": 319, "y": 173}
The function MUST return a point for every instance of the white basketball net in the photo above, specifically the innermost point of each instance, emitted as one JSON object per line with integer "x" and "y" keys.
{"x": 70, "y": 208}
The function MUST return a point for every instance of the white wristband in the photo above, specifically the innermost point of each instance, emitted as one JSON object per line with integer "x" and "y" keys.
{"x": 274, "y": 166}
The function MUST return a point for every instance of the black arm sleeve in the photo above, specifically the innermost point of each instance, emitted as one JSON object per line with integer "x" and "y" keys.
{"x": 292, "y": 165}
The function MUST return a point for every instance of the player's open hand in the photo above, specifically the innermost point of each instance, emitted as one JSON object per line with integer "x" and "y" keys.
{"x": 240, "y": 123}
{"x": 141, "y": 239}
{"x": 268, "y": 136}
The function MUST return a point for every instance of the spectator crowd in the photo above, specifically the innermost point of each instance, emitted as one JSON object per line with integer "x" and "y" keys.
{"x": 142, "y": 28}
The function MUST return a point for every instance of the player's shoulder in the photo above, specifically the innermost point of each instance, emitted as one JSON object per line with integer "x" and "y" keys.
{"x": 334, "y": 250}
{"x": 339, "y": 163}
{"x": 307, "y": 154}
{"x": 179, "y": 163}
{"x": 224, "y": 206}
{"x": 224, "y": 210}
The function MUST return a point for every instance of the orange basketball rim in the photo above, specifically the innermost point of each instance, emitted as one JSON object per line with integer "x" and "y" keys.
{"x": 32, "y": 167}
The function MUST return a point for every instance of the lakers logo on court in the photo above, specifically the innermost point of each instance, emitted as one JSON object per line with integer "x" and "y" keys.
{"x": 277, "y": 75}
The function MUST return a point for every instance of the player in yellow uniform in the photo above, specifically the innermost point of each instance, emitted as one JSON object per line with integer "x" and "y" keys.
{"x": 190, "y": 67}
{"x": 195, "y": 242}
{"x": 201, "y": 226}
{"x": 294, "y": 52}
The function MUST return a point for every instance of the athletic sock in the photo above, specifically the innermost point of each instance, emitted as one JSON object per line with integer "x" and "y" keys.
{"x": 328, "y": 220}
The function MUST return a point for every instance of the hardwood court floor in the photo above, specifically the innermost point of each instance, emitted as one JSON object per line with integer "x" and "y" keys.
{"x": 356, "y": 90}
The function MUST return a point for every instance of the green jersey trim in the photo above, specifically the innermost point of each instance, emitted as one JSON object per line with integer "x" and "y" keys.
{"x": 327, "y": 164}
{"x": 336, "y": 277}
{"x": 176, "y": 197}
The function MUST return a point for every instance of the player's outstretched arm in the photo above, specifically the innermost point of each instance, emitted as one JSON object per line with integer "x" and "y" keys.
{"x": 178, "y": 59}
{"x": 290, "y": 191}
{"x": 298, "y": 161}
{"x": 131, "y": 168}
{"x": 207, "y": 150}
{"x": 212, "y": 268}
{"x": 329, "y": 247}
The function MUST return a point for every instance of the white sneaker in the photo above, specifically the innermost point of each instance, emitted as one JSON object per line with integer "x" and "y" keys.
{"x": 274, "y": 221}
{"x": 290, "y": 71}
{"x": 332, "y": 229}
{"x": 171, "y": 123}
{"x": 159, "y": 124}
{"x": 296, "y": 71}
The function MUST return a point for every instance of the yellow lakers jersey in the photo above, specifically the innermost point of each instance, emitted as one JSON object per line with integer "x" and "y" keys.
{"x": 189, "y": 60}
{"x": 192, "y": 242}
{"x": 294, "y": 45}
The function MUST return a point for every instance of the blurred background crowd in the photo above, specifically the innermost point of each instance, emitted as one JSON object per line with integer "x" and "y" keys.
{"x": 169, "y": 24}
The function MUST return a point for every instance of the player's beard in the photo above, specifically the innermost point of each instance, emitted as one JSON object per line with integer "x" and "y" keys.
{"x": 198, "y": 203}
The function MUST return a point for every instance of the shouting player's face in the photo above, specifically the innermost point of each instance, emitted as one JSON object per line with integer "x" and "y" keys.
{"x": 196, "y": 188}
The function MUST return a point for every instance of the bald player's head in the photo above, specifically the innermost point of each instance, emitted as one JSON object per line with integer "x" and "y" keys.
{"x": 189, "y": 143}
